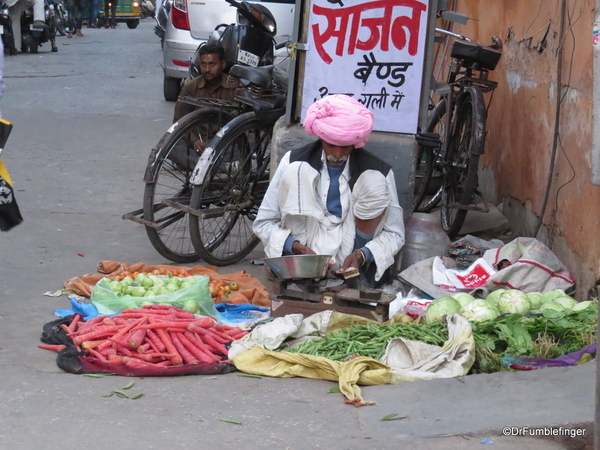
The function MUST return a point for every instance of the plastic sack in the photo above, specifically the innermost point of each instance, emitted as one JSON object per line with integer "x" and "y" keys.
{"x": 528, "y": 265}
{"x": 475, "y": 276}
{"x": 108, "y": 303}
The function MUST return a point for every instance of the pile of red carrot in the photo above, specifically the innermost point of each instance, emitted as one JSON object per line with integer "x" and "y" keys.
{"x": 154, "y": 336}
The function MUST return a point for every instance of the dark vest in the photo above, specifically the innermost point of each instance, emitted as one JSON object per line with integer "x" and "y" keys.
{"x": 360, "y": 160}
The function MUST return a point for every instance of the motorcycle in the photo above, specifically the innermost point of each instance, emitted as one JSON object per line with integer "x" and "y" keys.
{"x": 147, "y": 8}
{"x": 8, "y": 39}
{"x": 32, "y": 38}
{"x": 249, "y": 42}
{"x": 61, "y": 16}
{"x": 162, "y": 18}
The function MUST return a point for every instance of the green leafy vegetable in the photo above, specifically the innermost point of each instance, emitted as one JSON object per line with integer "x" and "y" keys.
{"x": 440, "y": 307}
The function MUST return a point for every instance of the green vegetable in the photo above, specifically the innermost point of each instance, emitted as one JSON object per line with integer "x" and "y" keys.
{"x": 129, "y": 385}
{"x": 583, "y": 305}
{"x": 440, "y": 307}
{"x": 536, "y": 299}
{"x": 235, "y": 422}
{"x": 393, "y": 416}
{"x": 551, "y": 295}
{"x": 565, "y": 301}
{"x": 479, "y": 310}
{"x": 370, "y": 340}
{"x": 513, "y": 301}
{"x": 136, "y": 396}
{"x": 552, "y": 309}
{"x": 494, "y": 297}
{"x": 463, "y": 298}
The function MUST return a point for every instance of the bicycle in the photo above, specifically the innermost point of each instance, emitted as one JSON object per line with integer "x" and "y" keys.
{"x": 450, "y": 148}
{"x": 230, "y": 183}
{"x": 168, "y": 189}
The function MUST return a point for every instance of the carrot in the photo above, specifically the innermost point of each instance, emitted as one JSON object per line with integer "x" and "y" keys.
{"x": 108, "y": 351}
{"x": 54, "y": 348}
{"x": 164, "y": 337}
{"x": 187, "y": 356}
{"x": 122, "y": 349}
{"x": 98, "y": 355}
{"x": 74, "y": 322}
{"x": 145, "y": 347}
{"x": 205, "y": 322}
{"x": 115, "y": 359}
{"x": 156, "y": 325}
{"x": 100, "y": 332}
{"x": 223, "y": 338}
{"x": 88, "y": 325}
{"x": 136, "y": 338}
{"x": 208, "y": 338}
{"x": 151, "y": 335}
{"x": 201, "y": 346}
{"x": 92, "y": 344}
{"x": 198, "y": 354}
{"x": 123, "y": 331}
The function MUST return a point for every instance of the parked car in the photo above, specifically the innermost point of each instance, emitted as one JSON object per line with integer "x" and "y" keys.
{"x": 190, "y": 24}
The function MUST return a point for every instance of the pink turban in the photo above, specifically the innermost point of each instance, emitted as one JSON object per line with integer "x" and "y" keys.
{"x": 339, "y": 120}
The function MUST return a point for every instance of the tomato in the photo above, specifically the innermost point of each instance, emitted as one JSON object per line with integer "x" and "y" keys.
{"x": 234, "y": 285}
{"x": 156, "y": 272}
{"x": 213, "y": 291}
{"x": 221, "y": 292}
{"x": 227, "y": 289}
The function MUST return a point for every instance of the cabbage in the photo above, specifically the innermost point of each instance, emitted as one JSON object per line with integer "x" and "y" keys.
{"x": 582, "y": 305}
{"x": 565, "y": 301}
{"x": 551, "y": 295}
{"x": 463, "y": 298}
{"x": 479, "y": 311}
{"x": 440, "y": 307}
{"x": 494, "y": 297}
{"x": 513, "y": 301}
{"x": 536, "y": 299}
{"x": 552, "y": 309}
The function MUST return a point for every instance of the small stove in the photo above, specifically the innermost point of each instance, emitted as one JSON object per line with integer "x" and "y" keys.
{"x": 309, "y": 296}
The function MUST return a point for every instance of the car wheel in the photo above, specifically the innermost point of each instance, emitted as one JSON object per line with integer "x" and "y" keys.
{"x": 171, "y": 88}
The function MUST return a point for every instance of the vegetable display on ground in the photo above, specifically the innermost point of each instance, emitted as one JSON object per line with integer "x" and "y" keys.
{"x": 153, "y": 336}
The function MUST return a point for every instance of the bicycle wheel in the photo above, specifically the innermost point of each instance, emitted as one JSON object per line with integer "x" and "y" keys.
{"x": 428, "y": 172}
{"x": 462, "y": 160}
{"x": 168, "y": 183}
{"x": 232, "y": 191}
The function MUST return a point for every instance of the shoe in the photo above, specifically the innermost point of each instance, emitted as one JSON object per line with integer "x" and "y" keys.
{"x": 79, "y": 33}
{"x": 69, "y": 35}
{"x": 40, "y": 24}
{"x": 54, "y": 49}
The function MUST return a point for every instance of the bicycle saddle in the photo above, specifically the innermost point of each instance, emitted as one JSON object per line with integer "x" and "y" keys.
{"x": 261, "y": 76}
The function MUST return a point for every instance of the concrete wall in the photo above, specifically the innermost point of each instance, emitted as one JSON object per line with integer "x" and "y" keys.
{"x": 522, "y": 127}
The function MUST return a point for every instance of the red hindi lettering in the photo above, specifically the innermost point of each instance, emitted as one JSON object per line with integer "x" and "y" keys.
{"x": 403, "y": 30}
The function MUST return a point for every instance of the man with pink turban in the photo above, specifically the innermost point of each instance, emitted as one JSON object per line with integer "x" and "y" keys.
{"x": 333, "y": 197}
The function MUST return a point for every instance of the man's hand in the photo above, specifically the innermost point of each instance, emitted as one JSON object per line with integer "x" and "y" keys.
{"x": 199, "y": 147}
{"x": 354, "y": 260}
{"x": 300, "y": 249}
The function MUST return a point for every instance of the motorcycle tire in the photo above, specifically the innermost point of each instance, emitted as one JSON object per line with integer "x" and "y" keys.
{"x": 59, "y": 28}
{"x": 33, "y": 45}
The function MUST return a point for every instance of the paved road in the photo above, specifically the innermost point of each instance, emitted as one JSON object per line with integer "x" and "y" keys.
{"x": 85, "y": 119}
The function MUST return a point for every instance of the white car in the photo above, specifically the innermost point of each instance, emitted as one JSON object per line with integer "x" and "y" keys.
{"x": 190, "y": 24}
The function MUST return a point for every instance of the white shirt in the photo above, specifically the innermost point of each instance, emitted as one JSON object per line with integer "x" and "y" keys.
{"x": 300, "y": 209}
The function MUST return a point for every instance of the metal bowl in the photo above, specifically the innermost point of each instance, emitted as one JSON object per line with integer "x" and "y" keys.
{"x": 299, "y": 266}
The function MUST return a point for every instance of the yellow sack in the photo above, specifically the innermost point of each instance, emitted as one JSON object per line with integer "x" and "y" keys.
{"x": 349, "y": 374}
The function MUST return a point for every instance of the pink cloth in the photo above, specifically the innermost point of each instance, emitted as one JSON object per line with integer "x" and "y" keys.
{"x": 339, "y": 120}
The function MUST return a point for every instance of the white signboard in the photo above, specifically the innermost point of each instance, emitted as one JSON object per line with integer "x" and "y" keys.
{"x": 371, "y": 50}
